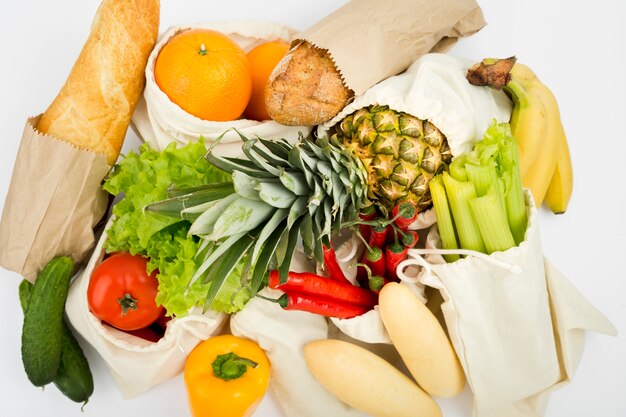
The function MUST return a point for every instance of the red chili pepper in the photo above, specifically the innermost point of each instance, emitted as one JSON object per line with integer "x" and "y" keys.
{"x": 378, "y": 237}
{"x": 367, "y": 214}
{"x": 375, "y": 260}
{"x": 394, "y": 254}
{"x": 404, "y": 214}
{"x": 309, "y": 284}
{"x": 321, "y": 306}
{"x": 376, "y": 283}
{"x": 332, "y": 265}
{"x": 410, "y": 239}
{"x": 392, "y": 233}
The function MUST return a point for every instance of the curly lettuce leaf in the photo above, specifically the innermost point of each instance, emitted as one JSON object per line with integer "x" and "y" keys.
{"x": 144, "y": 178}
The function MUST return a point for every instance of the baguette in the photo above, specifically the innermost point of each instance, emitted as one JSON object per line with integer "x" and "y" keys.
{"x": 365, "y": 381}
{"x": 305, "y": 88}
{"x": 94, "y": 107}
{"x": 421, "y": 341}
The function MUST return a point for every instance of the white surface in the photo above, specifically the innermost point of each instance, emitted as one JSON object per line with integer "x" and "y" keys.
{"x": 575, "y": 47}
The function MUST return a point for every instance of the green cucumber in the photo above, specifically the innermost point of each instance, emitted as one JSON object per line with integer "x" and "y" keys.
{"x": 25, "y": 290}
{"x": 42, "y": 331}
{"x": 74, "y": 378}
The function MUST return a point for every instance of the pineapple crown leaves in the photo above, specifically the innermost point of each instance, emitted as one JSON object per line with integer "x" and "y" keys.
{"x": 281, "y": 194}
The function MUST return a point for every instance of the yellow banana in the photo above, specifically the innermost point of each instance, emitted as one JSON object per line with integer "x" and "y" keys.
{"x": 561, "y": 183}
{"x": 528, "y": 124}
{"x": 545, "y": 162}
{"x": 538, "y": 177}
{"x": 522, "y": 72}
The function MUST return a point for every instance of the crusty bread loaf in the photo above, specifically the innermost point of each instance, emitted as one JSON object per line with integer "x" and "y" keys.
{"x": 305, "y": 88}
{"x": 94, "y": 107}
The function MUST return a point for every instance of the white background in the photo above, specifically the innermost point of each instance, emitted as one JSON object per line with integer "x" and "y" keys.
{"x": 577, "y": 48}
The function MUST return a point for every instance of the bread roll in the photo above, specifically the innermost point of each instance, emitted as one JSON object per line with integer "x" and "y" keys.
{"x": 94, "y": 107}
{"x": 420, "y": 341}
{"x": 305, "y": 88}
{"x": 366, "y": 382}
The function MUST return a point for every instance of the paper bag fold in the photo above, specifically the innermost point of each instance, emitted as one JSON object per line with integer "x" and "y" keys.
{"x": 54, "y": 201}
{"x": 370, "y": 40}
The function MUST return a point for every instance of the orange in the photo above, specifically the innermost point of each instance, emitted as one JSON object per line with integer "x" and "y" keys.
{"x": 263, "y": 59}
{"x": 205, "y": 73}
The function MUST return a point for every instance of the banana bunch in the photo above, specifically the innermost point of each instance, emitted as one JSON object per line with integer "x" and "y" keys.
{"x": 545, "y": 162}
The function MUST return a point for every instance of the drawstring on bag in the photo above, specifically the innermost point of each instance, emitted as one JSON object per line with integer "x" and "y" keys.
{"x": 415, "y": 259}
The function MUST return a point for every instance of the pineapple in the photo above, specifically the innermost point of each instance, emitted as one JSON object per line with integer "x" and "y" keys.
{"x": 285, "y": 193}
{"x": 400, "y": 152}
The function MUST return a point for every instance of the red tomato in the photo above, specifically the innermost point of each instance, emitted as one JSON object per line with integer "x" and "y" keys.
{"x": 162, "y": 321}
{"x": 122, "y": 293}
{"x": 146, "y": 333}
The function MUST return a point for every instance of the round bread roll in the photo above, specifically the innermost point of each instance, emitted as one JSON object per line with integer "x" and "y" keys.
{"x": 420, "y": 341}
{"x": 305, "y": 88}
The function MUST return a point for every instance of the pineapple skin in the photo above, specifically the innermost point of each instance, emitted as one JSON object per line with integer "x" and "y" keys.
{"x": 400, "y": 152}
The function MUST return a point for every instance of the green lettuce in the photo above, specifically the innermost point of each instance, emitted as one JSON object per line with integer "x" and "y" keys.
{"x": 144, "y": 178}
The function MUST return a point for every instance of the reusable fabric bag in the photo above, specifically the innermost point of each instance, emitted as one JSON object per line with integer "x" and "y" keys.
{"x": 509, "y": 317}
{"x": 159, "y": 121}
{"x": 433, "y": 88}
{"x": 136, "y": 364}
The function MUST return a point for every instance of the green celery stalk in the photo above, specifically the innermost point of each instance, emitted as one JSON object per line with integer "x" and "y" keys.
{"x": 514, "y": 191}
{"x": 482, "y": 177}
{"x": 457, "y": 168}
{"x": 515, "y": 204}
{"x": 486, "y": 181}
{"x": 459, "y": 195}
{"x": 506, "y": 156}
{"x": 445, "y": 224}
{"x": 492, "y": 222}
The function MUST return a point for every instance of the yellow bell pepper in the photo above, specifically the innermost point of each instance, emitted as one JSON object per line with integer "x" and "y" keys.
{"x": 226, "y": 376}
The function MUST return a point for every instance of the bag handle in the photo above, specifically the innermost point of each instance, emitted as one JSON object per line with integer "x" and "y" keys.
{"x": 415, "y": 259}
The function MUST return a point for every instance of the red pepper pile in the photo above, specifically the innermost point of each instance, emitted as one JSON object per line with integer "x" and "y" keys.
{"x": 387, "y": 243}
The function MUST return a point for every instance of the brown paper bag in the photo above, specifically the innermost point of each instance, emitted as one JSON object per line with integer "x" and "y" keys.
{"x": 54, "y": 202}
{"x": 385, "y": 37}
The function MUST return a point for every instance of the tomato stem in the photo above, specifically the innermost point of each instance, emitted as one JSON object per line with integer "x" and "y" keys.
{"x": 127, "y": 302}
{"x": 231, "y": 366}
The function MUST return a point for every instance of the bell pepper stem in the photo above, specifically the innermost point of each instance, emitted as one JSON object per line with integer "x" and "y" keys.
{"x": 231, "y": 366}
